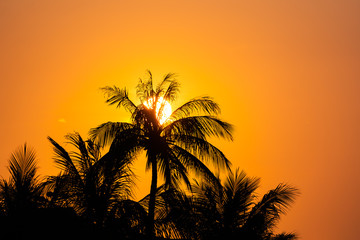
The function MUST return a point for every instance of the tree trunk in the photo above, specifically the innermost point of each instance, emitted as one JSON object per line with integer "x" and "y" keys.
{"x": 150, "y": 220}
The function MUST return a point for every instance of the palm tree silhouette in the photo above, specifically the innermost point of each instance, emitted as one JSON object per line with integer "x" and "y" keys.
{"x": 90, "y": 183}
{"x": 22, "y": 195}
{"x": 172, "y": 147}
{"x": 230, "y": 210}
{"x": 24, "y": 190}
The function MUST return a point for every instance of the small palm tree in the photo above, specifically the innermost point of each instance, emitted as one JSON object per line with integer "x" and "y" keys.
{"x": 90, "y": 183}
{"x": 173, "y": 145}
{"x": 230, "y": 210}
{"x": 24, "y": 190}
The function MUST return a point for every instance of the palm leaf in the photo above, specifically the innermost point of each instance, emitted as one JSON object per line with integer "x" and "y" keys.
{"x": 285, "y": 236}
{"x": 200, "y": 126}
{"x": 64, "y": 161}
{"x": 106, "y": 132}
{"x": 172, "y": 89}
{"x": 24, "y": 189}
{"x": 201, "y": 148}
{"x": 239, "y": 194}
{"x": 144, "y": 89}
{"x": 173, "y": 170}
{"x": 266, "y": 213}
{"x": 83, "y": 156}
{"x": 193, "y": 163}
{"x": 22, "y": 165}
{"x": 119, "y": 97}
{"x": 198, "y": 106}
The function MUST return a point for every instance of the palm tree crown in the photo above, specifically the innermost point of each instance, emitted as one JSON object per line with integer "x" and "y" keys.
{"x": 90, "y": 183}
{"x": 230, "y": 210}
{"x": 24, "y": 190}
{"x": 172, "y": 147}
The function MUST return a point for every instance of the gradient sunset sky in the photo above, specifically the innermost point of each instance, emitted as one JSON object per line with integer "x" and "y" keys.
{"x": 286, "y": 73}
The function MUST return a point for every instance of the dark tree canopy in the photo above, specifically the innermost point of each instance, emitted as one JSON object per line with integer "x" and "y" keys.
{"x": 92, "y": 196}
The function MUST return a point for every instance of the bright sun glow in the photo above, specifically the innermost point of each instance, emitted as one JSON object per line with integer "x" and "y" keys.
{"x": 163, "y": 108}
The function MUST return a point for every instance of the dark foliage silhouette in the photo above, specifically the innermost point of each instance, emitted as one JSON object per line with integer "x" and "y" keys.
{"x": 173, "y": 147}
{"x": 230, "y": 210}
{"x": 24, "y": 190}
{"x": 174, "y": 214}
{"x": 92, "y": 184}
{"x": 24, "y": 207}
{"x": 92, "y": 198}
{"x": 284, "y": 236}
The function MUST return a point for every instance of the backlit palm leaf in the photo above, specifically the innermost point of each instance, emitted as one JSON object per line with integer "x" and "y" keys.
{"x": 201, "y": 127}
{"x": 198, "y": 106}
{"x": 119, "y": 97}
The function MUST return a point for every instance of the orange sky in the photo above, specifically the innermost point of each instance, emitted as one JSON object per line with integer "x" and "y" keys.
{"x": 286, "y": 73}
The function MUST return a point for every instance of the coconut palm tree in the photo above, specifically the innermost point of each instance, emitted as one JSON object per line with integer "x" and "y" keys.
{"x": 175, "y": 144}
{"x": 230, "y": 210}
{"x": 24, "y": 190}
{"x": 22, "y": 195}
{"x": 90, "y": 183}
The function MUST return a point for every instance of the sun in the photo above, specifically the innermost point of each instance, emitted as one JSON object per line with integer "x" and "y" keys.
{"x": 163, "y": 108}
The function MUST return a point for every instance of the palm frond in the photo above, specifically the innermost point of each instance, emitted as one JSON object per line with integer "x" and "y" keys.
{"x": 177, "y": 215}
{"x": 24, "y": 189}
{"x": 239, "y": 183}
{"x": 128, "y": 143}
{"x": 285, "y": 236}
{"x": 281, "y": 198}
{"x": 228, "y": 210}
{"x": 173, "y": 170}
{"x": 202, "y": 149}
{"x": 144, "y": 89}
{"x": 239, "y": 195}
{"x": 22, "y": 165}
{"x": 76, "y": 140}
{"x": 199, "y": 105}
{"x": 106, "y": 132}
{"x": 201, "y": 127}
{"x": 93, "y": 149}
{"x": 83, "y": 156}
{"x": 119, "y": 97}
{"x": 172, "y": 89}
{"x": 173, "y": 213}
{"x": 117, "y": 175}
{"x": 207, "y": 195}
{"x": 194, "y": 164}
{"x": 63, "y": 159}
{"x": 271, "y": 206}
{"x": 208, "y": 207}
{"x": 59, "y": 191}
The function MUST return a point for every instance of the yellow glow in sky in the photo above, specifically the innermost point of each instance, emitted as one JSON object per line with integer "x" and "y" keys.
{"x": 163, "y": 108}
